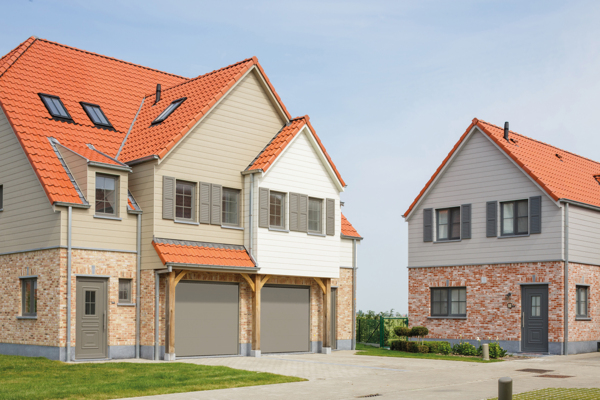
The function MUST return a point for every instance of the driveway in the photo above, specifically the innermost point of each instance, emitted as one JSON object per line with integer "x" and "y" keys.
{"x": 343, "y": 375}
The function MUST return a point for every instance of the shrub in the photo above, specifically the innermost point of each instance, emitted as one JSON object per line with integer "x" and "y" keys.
{"x": 422, "y": 349}
{"x": 438, "y": 347}
{"x": 419, "y": 331}
{"x": 402, "y": 331}
{"x": 411, "y": 347}
{"x": 465, "y": 349}
{"x": 394, "y": 345}
{"x": 496, "y": 351}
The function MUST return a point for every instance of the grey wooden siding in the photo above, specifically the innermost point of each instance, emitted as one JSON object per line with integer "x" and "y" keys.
{"x": 478, "y": 174}
{"x": 584, "y": 235}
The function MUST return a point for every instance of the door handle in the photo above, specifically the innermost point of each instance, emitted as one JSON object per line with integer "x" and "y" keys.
{"x": 104, "y": 322}
{"x": 523, "y": 320}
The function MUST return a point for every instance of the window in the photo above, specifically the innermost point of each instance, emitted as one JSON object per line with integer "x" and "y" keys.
{"x": 106, "y": 195}
{"x": 448, "y": 224}
{"x": 96, "y": 115}
{"x": 184, "y": 200}
{"x": 54, "y": 106}
{"x": 90, "y": 302}
{"x": 124, "y": 290}
{"x": 448, "y": 302}
{"x": 231, "y": 207}
{"x": 29, "y": 297}
{"x": 515, "y": 218}
{"x": 582, "y": 302}
{"x": 276, "y": 206}
{"x": 168, "y": 111}
{"x": 315, "y": 207}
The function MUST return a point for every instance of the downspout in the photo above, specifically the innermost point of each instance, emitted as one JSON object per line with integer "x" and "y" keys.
{"x": 137, "y": 285}
{"x": 353, "y": 294}
{"x": 566, "y": 285}
{"x": 69, "y": 226}
{"x": 250, "y": 204}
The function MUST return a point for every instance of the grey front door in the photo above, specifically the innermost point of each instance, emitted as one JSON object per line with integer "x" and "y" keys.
{"x": 534, "y": 323}
{"x": 284, "y": 320}
{"x": 92, "y": 319}
{"x": 334, "y": 319}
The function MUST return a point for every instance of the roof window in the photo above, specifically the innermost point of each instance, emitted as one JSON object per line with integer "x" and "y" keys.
{"x": 96, "y": 115}
{"x": 55, "y": 107}
{"x": 168, "y": 111}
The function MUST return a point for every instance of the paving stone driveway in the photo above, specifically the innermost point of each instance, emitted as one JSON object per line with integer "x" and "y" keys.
{"x": 343, "y": 375}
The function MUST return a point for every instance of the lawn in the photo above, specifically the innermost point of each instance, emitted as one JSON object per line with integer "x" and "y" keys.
{"x": 365, "y": 350}
{"x": 559, "y": 394}
{"x": 40, "y": 378}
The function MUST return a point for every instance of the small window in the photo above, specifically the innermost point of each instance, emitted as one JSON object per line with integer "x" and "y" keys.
{"x": 448, "y": 224}
{"x": 582, "y": 302}
{"x": 276, "y": 206}
{"x": 55, "y": 106}
{"x": 315, "y": 211}
{"x": 185, "y": 200}
{"x": 29, "y": 297}
{"x": 90, "y": 302}
{"x": 95, "y": 113}
{"x": 1, "y": 197}
{"x": 231, "y": 207}
{"x": 106, "y": 195}
{"x": 448, "y": 302}
{"x": 168, "y": 111}
{"x": 515, "y": 217}
{"x": 124, "y": 290}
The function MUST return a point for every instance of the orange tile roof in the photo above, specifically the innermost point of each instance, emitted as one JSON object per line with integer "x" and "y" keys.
{"x": 269, "y": 154}
{"x": 200, "y": 253}
{"x": 348, "y": 229}
{"x": 92, "y": 154}
{"x": 561, "y": 174}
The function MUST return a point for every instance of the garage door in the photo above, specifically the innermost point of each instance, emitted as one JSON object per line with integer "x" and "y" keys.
{"x": 285, "y": 317}
{"x": 206, "y": 319}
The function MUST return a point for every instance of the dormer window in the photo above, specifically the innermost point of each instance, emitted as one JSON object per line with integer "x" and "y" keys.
{"x": 55, "y": 107}
{"x": 168, "y": 111}
{"x": 95, "y": 114}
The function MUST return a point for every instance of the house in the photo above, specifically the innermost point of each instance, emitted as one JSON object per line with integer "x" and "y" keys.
{"x": 145, "y": 214}
{"x": 503, "y": 245}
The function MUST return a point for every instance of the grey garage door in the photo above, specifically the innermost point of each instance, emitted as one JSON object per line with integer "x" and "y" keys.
{"x": 285, "y": 317}
{"x": 206, "y": 319}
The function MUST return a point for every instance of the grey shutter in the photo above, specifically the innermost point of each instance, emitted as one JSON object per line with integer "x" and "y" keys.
{"x": 204, "y": 203}
{"x": 303, "y": 213}
{"x": 294, "y": 201}
{"x": 168, "y": 197}
{"x": 491, "y": 211}
{"x": 465, "y": 221}
{"x": 263, "y": 205}
{"x": 535, "y": 214}
{"x": 330, "y": 215}
{"x": 216, "y": 201}
{"x": 428, "y": 225}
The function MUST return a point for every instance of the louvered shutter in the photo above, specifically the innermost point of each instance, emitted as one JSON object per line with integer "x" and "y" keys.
{"x": 216, "y": 201}
{"x": 330, "y": 215}
{"x": 303, "y": 213}
{"x": 294, "y": 200}
{"x": 168, "y": 197}
{"x": 428, "y": 225}
{"x": 465, "y": 221}
{"x": 263, "y": 205}
{"x": 204, "y": 203}
{"x": 491, "y": 211}
{"x": 535, "y": 214}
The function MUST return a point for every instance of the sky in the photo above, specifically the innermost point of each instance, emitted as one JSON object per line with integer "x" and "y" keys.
{"x": 390, "y": 86}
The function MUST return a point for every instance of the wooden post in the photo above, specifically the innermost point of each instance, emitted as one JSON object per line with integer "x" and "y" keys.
{"x": 170, "y": 318}
{"x": 327, "y": 317}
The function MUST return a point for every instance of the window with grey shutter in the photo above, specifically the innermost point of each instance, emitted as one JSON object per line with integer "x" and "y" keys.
{"x": 330, "y": 215}
{"x": 216, "y": 198}
{"x": 535, "y": 214}
{"x": 294, "y": 201}
{"x": 428, "y": 225}
{"x": 204, "y": 203}
{"x": 465, "y": 221}
{"x": 491, "y": 211}
{"x": 303, "y": 213}
{"x": 263, "y": 205}
{"x": 168, "y": 197}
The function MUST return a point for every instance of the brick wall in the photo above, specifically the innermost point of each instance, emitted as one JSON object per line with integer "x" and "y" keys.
{"x": 344, "y": 304}
{"x": 584, "y": 330}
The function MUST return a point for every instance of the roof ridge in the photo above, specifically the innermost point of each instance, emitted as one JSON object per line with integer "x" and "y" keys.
{"x": 24, "y": 46}
{"x": 110, "y": 58}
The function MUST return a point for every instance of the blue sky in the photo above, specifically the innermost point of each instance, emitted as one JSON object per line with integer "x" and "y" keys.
{"x": 390, "y": 86}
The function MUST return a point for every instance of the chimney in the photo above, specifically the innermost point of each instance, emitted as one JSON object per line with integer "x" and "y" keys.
{"x": 506, "y": 131}
{"x": 158, "y": 90}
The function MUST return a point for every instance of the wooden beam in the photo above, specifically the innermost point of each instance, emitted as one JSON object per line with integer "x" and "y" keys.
{"x": 170, "y": 317}
{"x": 180, "y": 277}
{"x": 264, "y": 280}
{"x": 327, "y": 314}
{"x": 250, "y": 281}
{"x": 256, "y": 313}
{"x": 320, "y": 282}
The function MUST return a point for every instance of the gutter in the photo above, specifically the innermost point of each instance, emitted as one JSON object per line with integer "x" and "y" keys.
{"x": 74, "y": 205}
{"x": 143, "y": 159}
{"x": 566, "y": 284}
{"x": 108, "y": 166}
{"x": 578, "y": 204}
{"x": 69, "y": 250}
{"x": 221, "y": 268}
{"x": 138, "y": 274}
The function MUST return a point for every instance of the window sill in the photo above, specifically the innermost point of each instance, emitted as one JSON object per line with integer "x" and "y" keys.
{"x": 126, "y": 304}
{"x": 446, "y": 317}
{"x": 186, "y": 222}
{"x": 512, "y": 236}
{"x": 239, "y": 228}
{"x": 316, "y": 234}
{"x": 25, "y": 317}
{"x": 107, "y": 217}
{"x": 448, "y": 241}
{"x": 279, "y": 230}
{"x": 582, "y": 319}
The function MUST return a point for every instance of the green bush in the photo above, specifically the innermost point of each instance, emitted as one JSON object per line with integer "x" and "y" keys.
{"x": 422, "y": 349}
{"x": 419, "y": 331}
{"x": 439, "y": 347}
{"x": 496, "y": 351}
{"x": 464, "y": 349}
{"x": 394, "y": 345}
{"x": 411, "y": 347}
{"x": 402, "y": 331}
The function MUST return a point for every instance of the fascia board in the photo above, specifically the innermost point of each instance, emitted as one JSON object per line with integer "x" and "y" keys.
{"x": 272, "y": 96}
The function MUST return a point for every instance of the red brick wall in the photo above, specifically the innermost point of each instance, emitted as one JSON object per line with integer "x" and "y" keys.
{"x": 344, "y": 304}
{"x": 584, "y": 330}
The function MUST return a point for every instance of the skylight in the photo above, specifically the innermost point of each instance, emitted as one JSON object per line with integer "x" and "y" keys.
{"x": 55, "y": 107}
{"x": 168, "y": 111}
{"x": 96, "y": 115}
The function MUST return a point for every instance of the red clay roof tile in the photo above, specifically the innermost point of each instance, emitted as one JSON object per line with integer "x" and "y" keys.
{"x": 348, "y": 229}
{"x": 172, "y": 251}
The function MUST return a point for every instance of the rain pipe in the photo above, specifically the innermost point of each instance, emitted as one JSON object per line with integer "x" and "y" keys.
{"x": 354, "y": 294}
{"x": 566, "y": 285}
{"x": 137, "y": 286}
{"x": 69, "y": 233}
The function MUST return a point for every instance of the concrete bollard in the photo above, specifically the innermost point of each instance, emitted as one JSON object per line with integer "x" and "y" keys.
{"x": 505, "y": 388}
{"x": 486, "y": 352}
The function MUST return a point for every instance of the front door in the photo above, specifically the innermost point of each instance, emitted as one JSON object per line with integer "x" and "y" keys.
{"x": 92, "y": 321}
{"x": 333, "y": 319}
{"x": 534, "y": 323}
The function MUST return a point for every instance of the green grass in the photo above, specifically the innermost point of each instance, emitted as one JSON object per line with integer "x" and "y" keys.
{"x": 376, "y": 351}
{"x": 559, "y": 394}
{"x": 40, "y": 378}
